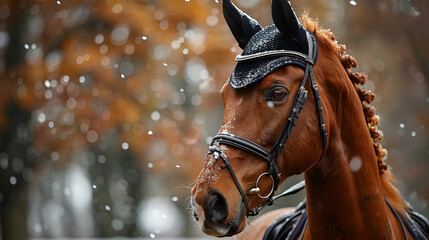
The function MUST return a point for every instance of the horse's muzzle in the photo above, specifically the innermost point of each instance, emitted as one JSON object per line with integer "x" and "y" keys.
{"x": 213, "y": 215}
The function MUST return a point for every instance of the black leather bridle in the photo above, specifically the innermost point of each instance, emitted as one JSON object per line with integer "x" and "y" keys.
{"x": 273, "y": 155}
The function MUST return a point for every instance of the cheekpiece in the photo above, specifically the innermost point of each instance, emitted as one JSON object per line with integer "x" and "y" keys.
{"x": 267, "y": 51}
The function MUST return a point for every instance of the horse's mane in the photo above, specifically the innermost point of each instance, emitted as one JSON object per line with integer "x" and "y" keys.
{"x": 327, "y": 38}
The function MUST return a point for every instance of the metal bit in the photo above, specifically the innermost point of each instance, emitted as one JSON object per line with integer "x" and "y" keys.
{"x": 254, "y": 191}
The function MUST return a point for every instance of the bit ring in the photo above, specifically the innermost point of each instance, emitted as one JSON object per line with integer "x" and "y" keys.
{"x": 272, "y": 186}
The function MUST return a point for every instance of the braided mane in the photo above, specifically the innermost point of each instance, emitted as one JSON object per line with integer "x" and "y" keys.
{"x": 326, "y": 37}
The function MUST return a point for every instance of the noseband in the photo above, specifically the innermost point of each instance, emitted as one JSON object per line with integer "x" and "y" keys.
{"x": 273, "y": 155}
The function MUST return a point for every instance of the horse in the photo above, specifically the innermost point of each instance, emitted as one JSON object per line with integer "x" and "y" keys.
{"x": 335, "y": 142}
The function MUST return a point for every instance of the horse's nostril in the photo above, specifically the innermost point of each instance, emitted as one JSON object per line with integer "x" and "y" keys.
{"x": 217, "y": 206}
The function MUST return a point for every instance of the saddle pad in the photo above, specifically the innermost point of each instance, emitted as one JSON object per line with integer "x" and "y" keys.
{"x": 419, "y": 225}
{"x": 281, "y": 227}
{"x": 289, "y": 225}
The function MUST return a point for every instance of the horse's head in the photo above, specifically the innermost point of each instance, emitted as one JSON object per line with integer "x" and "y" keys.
{"x": 266, "y": 91}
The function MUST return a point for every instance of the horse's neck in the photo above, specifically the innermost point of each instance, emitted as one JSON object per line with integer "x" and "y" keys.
{"x": 344, "y": 193}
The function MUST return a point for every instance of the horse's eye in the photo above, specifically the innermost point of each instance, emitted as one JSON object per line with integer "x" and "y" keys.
{"x": 278, "y": 93}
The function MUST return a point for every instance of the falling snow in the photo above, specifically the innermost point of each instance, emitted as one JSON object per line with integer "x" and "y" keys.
{"x": 155, "y": 115}
{"x": 97, "y": 95}
{"x": 355, "y": 163}
{"x": 82, "y": 79}
{"x": 12, "y": 180}
{"x": 125, "y": 146}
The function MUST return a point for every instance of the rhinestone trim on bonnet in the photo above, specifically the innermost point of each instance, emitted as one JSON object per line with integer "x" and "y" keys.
{"x": 268, "y": 39}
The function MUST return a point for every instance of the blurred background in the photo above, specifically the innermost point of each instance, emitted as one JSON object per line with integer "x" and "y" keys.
{"x": 107, "y": 106}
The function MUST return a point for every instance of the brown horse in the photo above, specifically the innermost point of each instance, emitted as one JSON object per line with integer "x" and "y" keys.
{"x": 348, "y": 189}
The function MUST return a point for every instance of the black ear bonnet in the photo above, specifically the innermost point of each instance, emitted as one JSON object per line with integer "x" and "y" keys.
{"x": 265, "y": 49}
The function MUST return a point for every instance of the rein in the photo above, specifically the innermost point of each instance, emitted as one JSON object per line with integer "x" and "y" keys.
{"x": 273, "y": 155}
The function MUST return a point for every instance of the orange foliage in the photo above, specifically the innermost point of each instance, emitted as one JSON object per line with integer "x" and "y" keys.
{"x": 88, "y": 80}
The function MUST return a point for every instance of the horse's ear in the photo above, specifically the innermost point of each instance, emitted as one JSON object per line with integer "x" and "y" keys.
{"x": 242, "y": 26}
{"x": 285, "y": 19}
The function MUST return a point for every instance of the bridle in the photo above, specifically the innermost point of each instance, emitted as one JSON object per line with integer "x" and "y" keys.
{"x": 273, "y": 155}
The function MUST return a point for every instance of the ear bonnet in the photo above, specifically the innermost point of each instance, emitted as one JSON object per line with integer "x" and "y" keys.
{"x": 265, "y": 50}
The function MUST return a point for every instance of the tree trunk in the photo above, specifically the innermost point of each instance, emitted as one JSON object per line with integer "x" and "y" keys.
{"x": 13, "y": 211}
